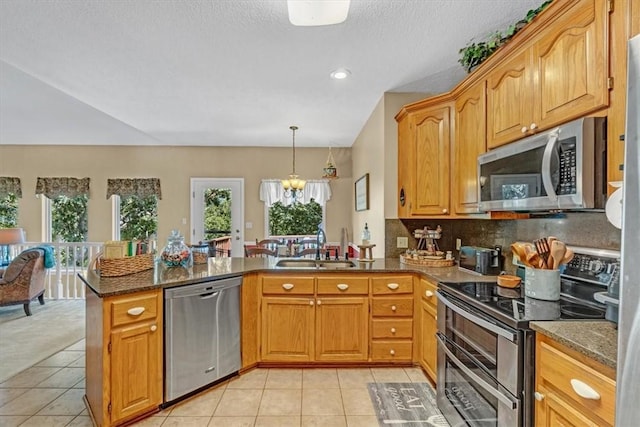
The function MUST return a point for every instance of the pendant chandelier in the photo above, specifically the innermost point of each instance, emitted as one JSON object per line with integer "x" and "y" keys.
{"x": 293, "y": 186}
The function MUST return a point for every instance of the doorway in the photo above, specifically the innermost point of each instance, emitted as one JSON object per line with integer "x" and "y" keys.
{"x": 217, "y": 214}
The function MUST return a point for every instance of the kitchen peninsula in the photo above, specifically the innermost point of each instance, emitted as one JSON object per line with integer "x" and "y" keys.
{"x": 394, "y": 306}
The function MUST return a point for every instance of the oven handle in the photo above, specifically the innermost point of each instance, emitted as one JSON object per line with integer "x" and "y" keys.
{"x": 478, "y": 320}
{"x": 513, "y": 404}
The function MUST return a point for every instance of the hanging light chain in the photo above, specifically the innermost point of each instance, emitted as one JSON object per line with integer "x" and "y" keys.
{"x": 294, "y": 129}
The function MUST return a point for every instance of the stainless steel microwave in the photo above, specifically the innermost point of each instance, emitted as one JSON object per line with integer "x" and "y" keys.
{"x": 559, "y": 169}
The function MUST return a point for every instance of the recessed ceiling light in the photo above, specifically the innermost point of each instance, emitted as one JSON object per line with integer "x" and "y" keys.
{"x": 340, "y": 74}
{"x": 309, "y": 13}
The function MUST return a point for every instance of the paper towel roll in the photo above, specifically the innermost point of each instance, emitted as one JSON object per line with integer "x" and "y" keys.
{"x": 613, "y": 208}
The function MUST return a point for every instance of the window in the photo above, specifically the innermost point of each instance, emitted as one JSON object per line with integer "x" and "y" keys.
{"x": 135, "y": 218}
{"x": 9, "y": 211}
{"x": 295, "y": 219}
{"x": 217, "y": 212}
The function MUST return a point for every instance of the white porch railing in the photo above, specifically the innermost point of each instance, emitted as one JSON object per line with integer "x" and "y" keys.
{"x": 62, "y": 281}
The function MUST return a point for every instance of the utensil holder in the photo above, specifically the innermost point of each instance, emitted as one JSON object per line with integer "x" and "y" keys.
{"x": 542, "y": 284}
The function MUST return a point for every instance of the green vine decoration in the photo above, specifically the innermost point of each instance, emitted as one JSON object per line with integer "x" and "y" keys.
{"x": 475, "y": 54}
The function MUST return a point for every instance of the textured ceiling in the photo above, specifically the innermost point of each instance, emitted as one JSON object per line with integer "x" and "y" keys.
{"x": 221, "y": 72}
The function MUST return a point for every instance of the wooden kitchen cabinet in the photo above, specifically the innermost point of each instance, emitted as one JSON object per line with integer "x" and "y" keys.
{"x": 392, "y": 318}
{"x": 559, "y": 75}
{"x": 560, "y": 372}
{"x": 468, "y": 144}
{"x": 428, "y": 328}
{"x": 124, "y": 356}
{"x": 307, "y": 319}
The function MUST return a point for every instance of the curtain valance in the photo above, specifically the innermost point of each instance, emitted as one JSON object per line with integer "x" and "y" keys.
{"x": 70, "y": 187}
{"x": 271, "y": 191}
{"x": 141, "y": 187}
{"x": 10, "y": 185}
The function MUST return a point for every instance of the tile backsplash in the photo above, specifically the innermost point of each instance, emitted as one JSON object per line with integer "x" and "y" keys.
{"x": 590, "y": 229}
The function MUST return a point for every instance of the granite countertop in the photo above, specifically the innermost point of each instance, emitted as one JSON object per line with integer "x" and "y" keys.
{"x": 595, "y": 339}
{"x": 220, "y": 268}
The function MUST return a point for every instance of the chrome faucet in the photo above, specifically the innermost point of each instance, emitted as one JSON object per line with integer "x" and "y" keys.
{"x": 321, "y": 239}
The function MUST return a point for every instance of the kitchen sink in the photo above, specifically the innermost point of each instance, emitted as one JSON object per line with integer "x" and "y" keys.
{"x": 310, "y": 263}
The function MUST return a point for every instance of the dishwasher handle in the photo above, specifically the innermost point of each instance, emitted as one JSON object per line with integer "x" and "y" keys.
{"x": 209, "y": 295}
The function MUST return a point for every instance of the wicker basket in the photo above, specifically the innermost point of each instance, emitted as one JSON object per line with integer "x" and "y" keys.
{"x": 114, "y": 267}
{"x": 427, "y": 262}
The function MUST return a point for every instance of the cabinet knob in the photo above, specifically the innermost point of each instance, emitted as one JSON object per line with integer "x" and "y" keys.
{"x": 287, "y": 286}
{"x": 584, "y": 390}
{"x": 310, "y": 302}
{"x": 533, "y": 126}
{"x": 539, "y": 396}
{"x": 154, "y": 328}
{"x": 393, "y": 330}
{"x": 392, "y": 352}
{"x": 524, "y": 129}
{"x": 445, "y": 210}
{"x": 318, "y": 302}
{"x": 342, "y": 286}
{"x": 393, "y": 308}
{"x": 428, "y": 294}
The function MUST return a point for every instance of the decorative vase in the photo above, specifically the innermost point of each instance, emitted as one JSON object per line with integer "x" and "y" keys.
{"x": 176, "y": 253}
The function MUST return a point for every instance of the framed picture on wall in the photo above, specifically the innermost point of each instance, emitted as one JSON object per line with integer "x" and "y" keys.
{"x": 362, "y": 193}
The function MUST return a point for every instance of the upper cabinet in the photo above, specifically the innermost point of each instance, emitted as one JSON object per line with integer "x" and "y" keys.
{"x": 559, "y": 75}
{"x": 469, "y": 142}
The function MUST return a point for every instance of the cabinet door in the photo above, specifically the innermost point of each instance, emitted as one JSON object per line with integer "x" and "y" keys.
{"x": 431, "y": 159}
{"x": 342, "y": 329}
{"x": 428, "y": 350}
{"x": 136, "y": 369}
{"x": 405, "y": 186}
{"x": 571, "y": 62}
{"x": 469, "y": 143}
{"x": 553, "y": 411}
{"x": 509, "y": 104}
{"x": 287, "y": 329}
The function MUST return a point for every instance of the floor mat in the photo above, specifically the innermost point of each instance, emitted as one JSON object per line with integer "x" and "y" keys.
{"x": 406, "y": 404}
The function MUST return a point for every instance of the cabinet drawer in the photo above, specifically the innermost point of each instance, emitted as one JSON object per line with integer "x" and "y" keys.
{"x": 392, "y": 307}
{"x": 428, "y": 292}
{"x": 343, "y": 285}
{"x": 558, "y": 369}
{"x": 392, "y": 328}
{"x": 392, "y": 285}
{"x": 290, "y": 285}
{"x": 391, "y": 350}
{"x": 125, "y": 310}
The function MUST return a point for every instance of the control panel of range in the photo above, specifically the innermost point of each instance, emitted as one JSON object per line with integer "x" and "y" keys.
{"x": 597, "y": 266}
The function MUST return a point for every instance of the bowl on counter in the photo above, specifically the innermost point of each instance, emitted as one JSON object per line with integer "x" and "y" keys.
{"x": 508, "y": 281}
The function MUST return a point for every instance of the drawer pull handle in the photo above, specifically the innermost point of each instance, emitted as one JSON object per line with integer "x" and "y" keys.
{"x": 287, "y": 286}
{"x": 135, "y": 311}
{"x": 393, "y": 330}
{"x": 539, "y": 396}
{"x": 393, "y": 308}
{"x": 392, "y": 352}
{"x": 342, "y": 286}
{"x": 154, "y": 328}
{"x": 393, "y": 286}
{"x": 584, "y": 390}
{"x": 428, "y": 294}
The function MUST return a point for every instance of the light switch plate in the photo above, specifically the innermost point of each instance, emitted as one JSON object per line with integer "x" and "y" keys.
{"x": 458, "y": 244}
{"x": 402, "y": 242}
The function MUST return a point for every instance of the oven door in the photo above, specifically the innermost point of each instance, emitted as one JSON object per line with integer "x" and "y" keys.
{"x": 480, "y": 366}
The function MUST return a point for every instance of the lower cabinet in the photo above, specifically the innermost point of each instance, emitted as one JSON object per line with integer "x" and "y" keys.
{"x": 329, "y": 324}
{"x": 571, "y": 390}
{"x": 124, "y": 356}
{"x": 428, "y": 328}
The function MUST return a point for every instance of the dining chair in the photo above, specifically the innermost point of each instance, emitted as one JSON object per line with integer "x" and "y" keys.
{"x": 257, "y": 252}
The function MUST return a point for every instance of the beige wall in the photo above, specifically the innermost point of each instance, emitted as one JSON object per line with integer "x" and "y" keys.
{"x": 375, "y": 151}
{"x": 174, "y": 166}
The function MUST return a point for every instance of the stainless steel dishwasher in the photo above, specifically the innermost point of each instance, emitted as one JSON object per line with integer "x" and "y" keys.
{"x": 202, "y": 335}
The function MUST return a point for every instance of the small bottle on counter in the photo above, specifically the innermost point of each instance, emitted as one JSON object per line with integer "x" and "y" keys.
{"x": 449, "y": 255}
{"x": 366, "y": 235}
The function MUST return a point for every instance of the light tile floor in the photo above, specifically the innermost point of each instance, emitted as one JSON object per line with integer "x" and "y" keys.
{"x": 50, "y": 395}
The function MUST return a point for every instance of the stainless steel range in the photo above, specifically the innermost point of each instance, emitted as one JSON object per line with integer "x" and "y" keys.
{"x": 486, "y": 349}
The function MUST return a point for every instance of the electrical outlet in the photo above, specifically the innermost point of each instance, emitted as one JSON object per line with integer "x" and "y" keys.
{"x": 402, "y": 242}
{"x": 458, "y": 244}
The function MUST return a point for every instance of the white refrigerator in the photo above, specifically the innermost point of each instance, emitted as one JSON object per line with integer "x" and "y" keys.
{"x": 628, "y": 375}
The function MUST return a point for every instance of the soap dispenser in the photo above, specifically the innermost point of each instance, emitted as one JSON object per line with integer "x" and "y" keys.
{"x": 366, "y": 235}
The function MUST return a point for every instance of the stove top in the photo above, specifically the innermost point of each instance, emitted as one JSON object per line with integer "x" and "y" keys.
{"x": 513, "y": 308}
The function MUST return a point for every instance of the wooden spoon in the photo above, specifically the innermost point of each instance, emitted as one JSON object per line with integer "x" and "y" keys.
{"x": 518, "y": 249}
{"x": 568, "y": 256}
{"x": 558, "y": 250}
{"x": 534, "y": 260}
